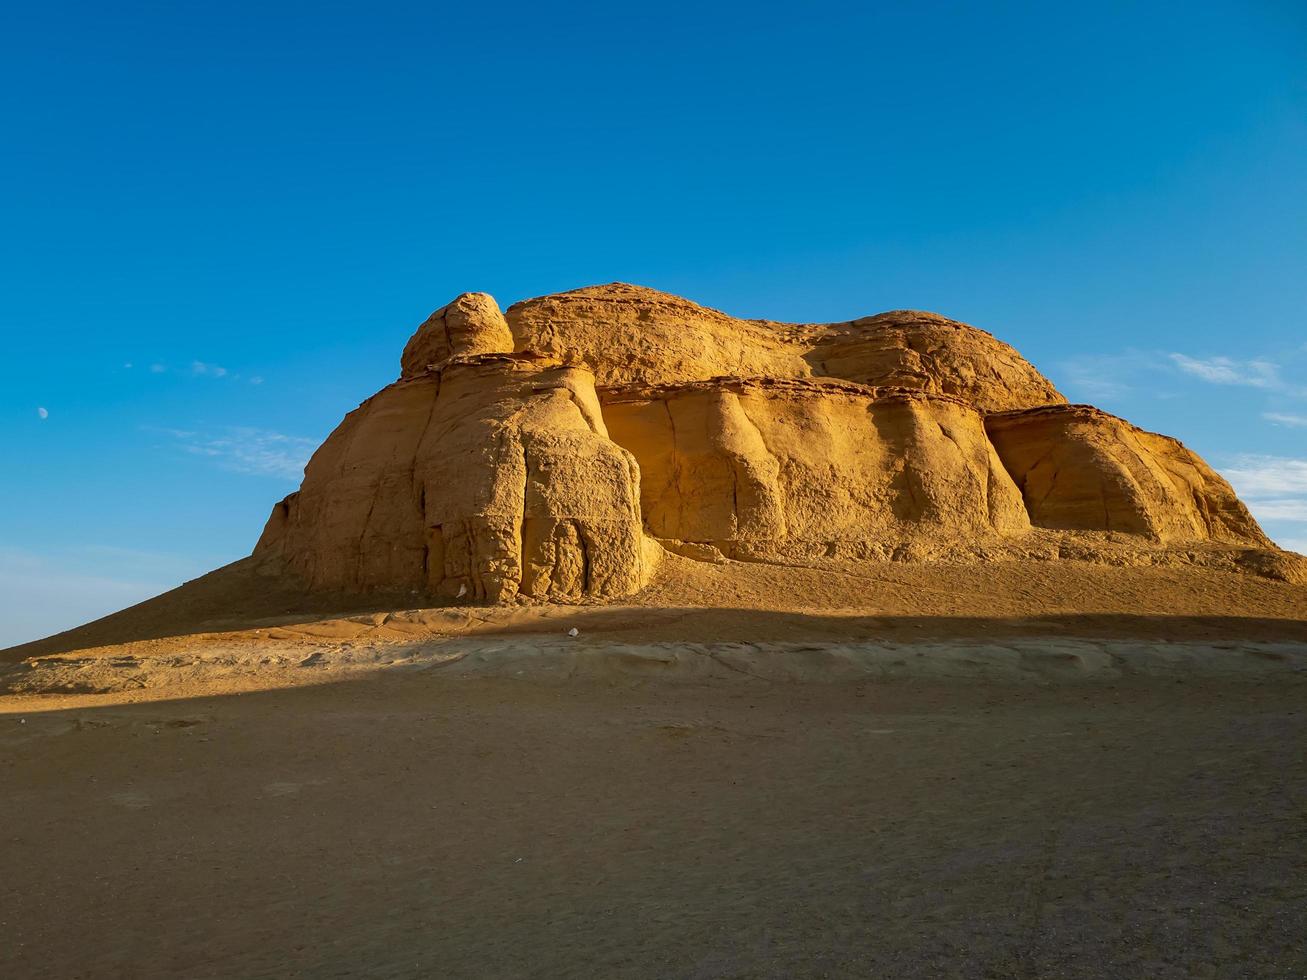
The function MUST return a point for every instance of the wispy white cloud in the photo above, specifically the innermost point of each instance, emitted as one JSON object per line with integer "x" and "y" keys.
{"x": 1275, "y": 490}
{"x": 200, "y": 369}
{"x": 1287, "y": 509}
{"x": 1258, "y": 373}
{"x": 241, "y": 449}
{"x": 1282, "y": 418}
{"x": 1267, "y": 476}
{"x": 1132, "y": 371}
{"x": 1095, "y": 376}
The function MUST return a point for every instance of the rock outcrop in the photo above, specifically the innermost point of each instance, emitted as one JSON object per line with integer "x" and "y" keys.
{"x": 1081, "y": 469}
{"x": 766, "y": 468}
{"x": 553, "y": 453}
{"x": 472, "y": 324}
{"x": 630, "y": 335}
{"x": 480, "y": 474}
{"x": 489, "y": 478}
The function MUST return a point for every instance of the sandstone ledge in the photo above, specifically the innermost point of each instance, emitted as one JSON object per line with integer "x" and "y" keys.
{"x": 781, "y": 387}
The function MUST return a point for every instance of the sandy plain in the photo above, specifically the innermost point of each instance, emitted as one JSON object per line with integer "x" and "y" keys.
{"x": 1030, "y": 770}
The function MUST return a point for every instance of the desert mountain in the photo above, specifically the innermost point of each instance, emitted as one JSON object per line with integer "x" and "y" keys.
{"x": 556, "y": 451}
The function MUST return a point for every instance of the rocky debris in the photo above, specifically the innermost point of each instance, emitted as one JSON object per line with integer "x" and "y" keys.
{"x": 555, "y": 452}
{"x": 554, "y": 658}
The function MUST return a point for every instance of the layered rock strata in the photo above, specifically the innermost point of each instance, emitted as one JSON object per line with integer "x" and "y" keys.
{"x": 630, "y": 335}
{"x": 552, "y": 453}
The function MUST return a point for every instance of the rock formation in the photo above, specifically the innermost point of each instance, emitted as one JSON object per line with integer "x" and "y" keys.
{"x": 1082, "y": 469}
{"x": 630, "y": 335}
{"x": 795, "y": 469}
{"x": 555, "y": 452}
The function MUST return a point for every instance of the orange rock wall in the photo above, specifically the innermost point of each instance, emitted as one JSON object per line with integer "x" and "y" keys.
{"x": 489, "y": 478}
{"x": 763, "y": 468}
{"x": 1082, "y": 469}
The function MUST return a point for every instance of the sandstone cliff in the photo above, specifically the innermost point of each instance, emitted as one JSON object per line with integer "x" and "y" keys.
{"x": 489, "y": 478}
{"x": 761, "y": 468}
{"x": 1079, "y": 468}
{"x": 553, "y": 453}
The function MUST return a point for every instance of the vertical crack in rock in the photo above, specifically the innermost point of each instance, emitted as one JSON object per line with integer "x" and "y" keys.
{"x": 737, "y": 525}
{"x": 444, "y": 324}
{"x": 360, "y": 573}
{"x": 1051, "y": 486}
{"x": 522, "y": 560}
{"x": 676, "y": 465}
{"x": 585, "y": 558}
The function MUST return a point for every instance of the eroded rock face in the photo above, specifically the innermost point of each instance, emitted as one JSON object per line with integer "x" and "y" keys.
{"x": 765, "y": 468}
{"x": 521, "y": 489}
{"x": 485, "y": 476}
{"x": 472, "y": 324}
{"x": 631, "y": 335}
{"x": 931, "y": 353}
{"x": 1082, "y": 469}
{"x": 551, "y": 453}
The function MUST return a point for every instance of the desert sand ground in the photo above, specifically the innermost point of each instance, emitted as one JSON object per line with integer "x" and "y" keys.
{"x": 1045, "y": 770}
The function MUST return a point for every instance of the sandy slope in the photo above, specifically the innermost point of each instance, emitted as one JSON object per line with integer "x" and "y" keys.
{"x": 1036, "y": 622}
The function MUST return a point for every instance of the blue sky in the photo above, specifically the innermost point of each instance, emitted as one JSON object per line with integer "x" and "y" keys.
{"x": 222, "y": 221}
